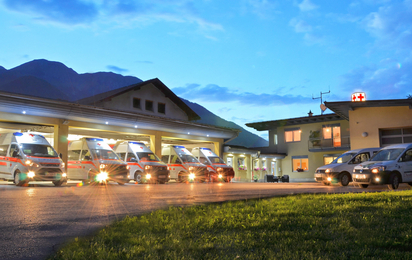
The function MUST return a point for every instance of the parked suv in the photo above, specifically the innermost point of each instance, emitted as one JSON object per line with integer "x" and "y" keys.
{"x": 339, "y": 171}
{"x": 391, "y": 165}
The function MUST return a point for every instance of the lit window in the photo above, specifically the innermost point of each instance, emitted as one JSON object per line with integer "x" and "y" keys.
{"x": 292, "y": 135}
{"x": 300, "y": 164}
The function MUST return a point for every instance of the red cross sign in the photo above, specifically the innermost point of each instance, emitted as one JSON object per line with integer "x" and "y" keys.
{"x": 358, "y": 97}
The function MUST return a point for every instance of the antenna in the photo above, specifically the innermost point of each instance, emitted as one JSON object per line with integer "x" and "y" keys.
{"x": 322, "y": 106}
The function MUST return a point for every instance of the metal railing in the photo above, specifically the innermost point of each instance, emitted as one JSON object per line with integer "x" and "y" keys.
{"x": 318, "y": 144}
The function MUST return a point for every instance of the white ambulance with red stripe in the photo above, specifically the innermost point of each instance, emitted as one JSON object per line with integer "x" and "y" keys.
{"x": 92, "y": 160}
{"x": 144, "y": 165}
{"x": 28, "y": 157}
{"x": 218, "y": 170}
{"x": 183, "y": 166}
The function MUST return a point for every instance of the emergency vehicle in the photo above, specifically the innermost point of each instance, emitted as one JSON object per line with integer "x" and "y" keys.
{"x": 218, "y": 170}
{"x": 339, "y": 170}
{"x": 93, "y": 160}
{"x": 391, "y": 165}
{"x": 183, "y": 166}
{"x": 144, "y": 165}
{"x": 28, "y": 157}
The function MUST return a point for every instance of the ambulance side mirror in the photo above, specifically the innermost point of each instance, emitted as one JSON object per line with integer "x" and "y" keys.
{"x": 61, "y": 155}
{"x": 133, "y": 160}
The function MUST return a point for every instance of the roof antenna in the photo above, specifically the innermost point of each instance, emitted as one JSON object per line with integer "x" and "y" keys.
{"x": 322, "y": 106}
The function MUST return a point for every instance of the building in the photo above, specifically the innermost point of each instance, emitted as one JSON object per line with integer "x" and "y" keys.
{"x": 305, "y": 143}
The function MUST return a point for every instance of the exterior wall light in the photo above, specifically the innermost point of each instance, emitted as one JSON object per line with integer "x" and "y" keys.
{"x": 364, "y": 134}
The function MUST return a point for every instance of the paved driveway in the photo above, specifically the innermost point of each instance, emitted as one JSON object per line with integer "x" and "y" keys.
{"x": 39, "y": 218}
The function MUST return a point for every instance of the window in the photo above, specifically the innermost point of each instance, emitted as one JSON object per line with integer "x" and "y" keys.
{"x": 300, "y": 163}
{"x": 131, "y": 157}
{"x": 161, "y": 108}
{"x": 13, "y": 148}
{"x": 73, "y": 155}
{"x": 395, "y": 136}
{"x": 229, "y": 161}
{"x": 149, "y": 105}
{"x": 165, "y": 158}
{"x": 241, "y": 163}
{"x": 328, "y": 158}
{"x": 86, "y": 156}
{"x": 275, "y": 139}
{"x": 203, "y": 160}
{"x": 292, "y": 135}
{"x": 3, "y": 150}
{"x": 332, "y": 132}
{"x": 256, "y": 165}
{"x": 136, "y": 103}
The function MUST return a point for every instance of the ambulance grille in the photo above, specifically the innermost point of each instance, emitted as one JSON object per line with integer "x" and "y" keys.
{"x": 50, "y": 164}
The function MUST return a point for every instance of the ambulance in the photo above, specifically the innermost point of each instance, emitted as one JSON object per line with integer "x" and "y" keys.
{"x": 144, "y": 165}
{"x": 183, "y": 166}
{"x": 28, "y": 157}
{"x": 92, "y": 160}
{"x": 339, "y": 170}
{"x": 218, "y": 170}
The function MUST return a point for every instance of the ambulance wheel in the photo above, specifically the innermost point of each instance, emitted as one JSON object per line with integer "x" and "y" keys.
{"x": 344, "y": 179}
{"x": 181, "y": 177}
{"x": 161, "y": 182}
{"x": 394, "y": 181}
{"x": 138, "y": 177}
{"x": 364, "y": 186}
{"x": 18, "y": 178}
{"x": 58, "y": 183}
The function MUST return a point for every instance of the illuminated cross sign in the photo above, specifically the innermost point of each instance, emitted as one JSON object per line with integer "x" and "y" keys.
{"x": 358, "y": 97}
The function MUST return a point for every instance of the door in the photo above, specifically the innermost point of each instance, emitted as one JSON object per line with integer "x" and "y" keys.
{"x": 13, "y": 160}
{"x": 405, "y": 164}
{"x": 273, "y": 168}
{"x": 74, "y": 167}
{"x": 3, "y": 160}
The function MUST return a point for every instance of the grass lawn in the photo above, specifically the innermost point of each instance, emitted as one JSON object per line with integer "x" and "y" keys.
{"x": 334, "y": 226}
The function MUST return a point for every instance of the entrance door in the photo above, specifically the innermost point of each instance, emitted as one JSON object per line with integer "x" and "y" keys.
{"x": 273, "y": 168}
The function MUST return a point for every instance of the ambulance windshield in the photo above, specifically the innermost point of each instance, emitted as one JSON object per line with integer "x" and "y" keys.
{"x": 38, "y": 150}
{"x": 187, "y": 158}
{"x": 100, "y": 154}
{"x": 147, "y": 157}
{"x": 215, "y": 159}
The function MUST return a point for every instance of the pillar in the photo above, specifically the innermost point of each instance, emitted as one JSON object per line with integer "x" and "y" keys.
{"x": 61, "y": 145}
{"x": 156, "y": 144}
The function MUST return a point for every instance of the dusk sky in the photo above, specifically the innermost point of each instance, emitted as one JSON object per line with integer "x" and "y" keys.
{"x": 244, "y": 60}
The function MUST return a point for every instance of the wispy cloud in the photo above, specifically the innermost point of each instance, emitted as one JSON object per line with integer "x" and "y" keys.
{"x": 123, "y": 12}
{"x": 215, "y": 93}
{"x": 261, "y": 8}
{"x": 116, "y": 69}
{"x": 306, "y": 6}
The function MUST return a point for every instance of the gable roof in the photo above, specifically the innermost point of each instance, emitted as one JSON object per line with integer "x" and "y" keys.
{"x": 343, "y": 108}
{"x": 269, "y": 125}
{"x": 156, "y": 82}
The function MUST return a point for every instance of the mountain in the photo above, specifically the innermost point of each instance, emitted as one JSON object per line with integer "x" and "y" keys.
{"x": 74, "y": 85}
{"x": 54, "y": 80}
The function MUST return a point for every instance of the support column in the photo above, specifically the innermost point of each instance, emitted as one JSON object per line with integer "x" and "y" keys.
{"x": 156, "y": 144}
{"x": 61, "y": 145}
{"x": 218, "y": 148}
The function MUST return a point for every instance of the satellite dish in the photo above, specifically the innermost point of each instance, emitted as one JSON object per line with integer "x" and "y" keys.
{"x": 323, "y": 107}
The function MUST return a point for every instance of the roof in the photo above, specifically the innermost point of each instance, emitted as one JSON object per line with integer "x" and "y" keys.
{"x": 156, "y": 82}
{"x": 343, "y": 108}
{"x": 269, "y": 125}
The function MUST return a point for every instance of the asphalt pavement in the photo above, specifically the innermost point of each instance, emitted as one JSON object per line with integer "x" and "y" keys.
{"x": 38, "y": 219}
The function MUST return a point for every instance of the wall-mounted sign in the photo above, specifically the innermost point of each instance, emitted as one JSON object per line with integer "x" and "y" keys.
{"x": 358, "y": 97}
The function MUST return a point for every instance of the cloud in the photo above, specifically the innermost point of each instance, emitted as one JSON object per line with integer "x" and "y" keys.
{"x": 386, "y": 80}
{"x": 215, "y": 93}
{"x": 300, "y": 26}
{"x": 116, "y": 69}
{"x": 307, "y": 6}
{"x": 261, "y": 8}
{"x": 391, "y": 24}
{"x": 122, "y": 12}
{"x": 62, "y": 11}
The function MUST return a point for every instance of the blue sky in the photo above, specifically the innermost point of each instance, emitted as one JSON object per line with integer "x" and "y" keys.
{"x": 244, "y": 60}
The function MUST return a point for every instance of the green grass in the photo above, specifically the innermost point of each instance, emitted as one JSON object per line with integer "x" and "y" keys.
{"x": 334, "y": 226}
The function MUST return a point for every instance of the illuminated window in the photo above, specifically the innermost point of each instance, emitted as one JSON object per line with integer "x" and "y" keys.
{"x": 332, "y": 132}
{"x": 292, "y": 135}
{"x": 300, "y": 163}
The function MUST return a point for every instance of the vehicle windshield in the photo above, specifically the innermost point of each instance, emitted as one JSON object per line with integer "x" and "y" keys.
{"x": 344, "y": 158}
{"x": 187, "y": 158}
{"x": 38, "y": 150}
{"x": 216, "y": 159}
{"x": 387, "y": 154}
{"x": 100, "y": 154}
{"x": 148, "y": 157}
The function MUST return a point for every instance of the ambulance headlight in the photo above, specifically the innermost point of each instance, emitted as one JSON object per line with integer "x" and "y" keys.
{"x": 192, "y": 176}
{"x": 220, "y": 176}
{"x": 102, "y": 166}
{"x": 128, "y": 167}
{"x": 191, "y": 168}
{"x": 377, "y": 179}
{"x": 219, "y": 169}
{"x": 28, "y": 162}
{"x": 102, "y": 176}
{"x": 30, "y": 174}
{"x": 148, "y": 167}
{"x": 329, "y": 179}
{"x": 64, "y": 175}
{"x": 62, "y": 165}
{"x": 148, "y": 176}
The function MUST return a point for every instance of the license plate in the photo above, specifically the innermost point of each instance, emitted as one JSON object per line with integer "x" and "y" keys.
{"x": 51, "y": 174}
{"x": 162, "y": 176}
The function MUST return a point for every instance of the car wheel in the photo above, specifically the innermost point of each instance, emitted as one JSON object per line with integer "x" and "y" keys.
{"x": 393, "y": 181}
{"x": 138, "y": 177}
{"x": 344, "y": 179}
{"x": 58, "y": 183}
{"x": 364, "y": 186}
{"x": 18, "y": 178}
